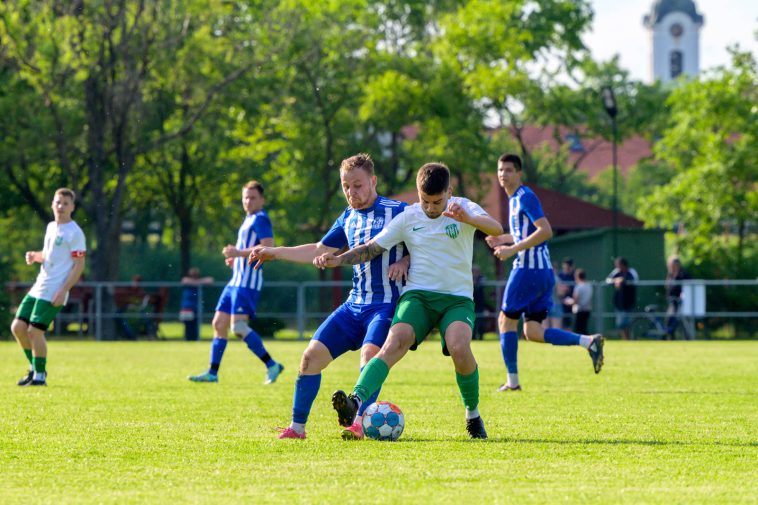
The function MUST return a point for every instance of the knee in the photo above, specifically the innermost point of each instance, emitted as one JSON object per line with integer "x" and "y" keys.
{"x": 310, "y": 363}
{"x": 18, "y": 327}
{"x": 459, "y": 349}
{"x": 398, "y": 341}
{"x": 241, "y": 328}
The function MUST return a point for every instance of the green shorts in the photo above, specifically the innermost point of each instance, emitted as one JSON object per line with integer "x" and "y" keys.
{"x": 36, "y": 312}
{"x": 424, "y": 310}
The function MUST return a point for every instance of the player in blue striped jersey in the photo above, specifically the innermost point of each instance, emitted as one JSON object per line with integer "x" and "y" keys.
{"x": 237, "y": 302}
{"x": 531, "y": 281}
{"x": 362, "y": 322}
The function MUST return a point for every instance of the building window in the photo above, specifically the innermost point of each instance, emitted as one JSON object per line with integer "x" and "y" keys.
{"x": 677, "y": 62}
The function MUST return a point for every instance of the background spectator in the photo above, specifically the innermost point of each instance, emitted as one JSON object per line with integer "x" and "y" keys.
{"x": 674, "y": 276}
{"x": 190, "y": 307}
{"x": 565, "y": 286}
{"x": 581, "y": 302}
{"x": 625, "y": 293}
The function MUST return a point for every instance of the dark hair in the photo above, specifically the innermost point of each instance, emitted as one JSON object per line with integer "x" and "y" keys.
{"x": 433, "y": 178}
{"x": 66, "y": 192}
{"x": 568, "y": 261}
{"x": 623, "y": 261}
{"x": 510, "y": 158}
{"x": 580, "y": 274}
{"x": 254, "y": 185}
{"x": 361, "y": 160}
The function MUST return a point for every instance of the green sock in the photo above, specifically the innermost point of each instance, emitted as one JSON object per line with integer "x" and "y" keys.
{"x": 469, "y": 387}
{"x": 28, "y": 354}
{"x": 372, "y": 377}
{"x": 39, "y": 364}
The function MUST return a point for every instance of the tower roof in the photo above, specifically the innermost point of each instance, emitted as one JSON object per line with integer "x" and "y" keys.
{"x": 663, "y": 7}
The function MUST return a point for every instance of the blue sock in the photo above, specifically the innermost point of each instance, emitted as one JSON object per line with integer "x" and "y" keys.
{"x": 371, "y": 399}
{"x": 218, "y": 345}
{"x": 255, "y": 344}
{"x": 306, "y": 389}
{"x": 509, "y": 348}
{"x": 561, "y": 337}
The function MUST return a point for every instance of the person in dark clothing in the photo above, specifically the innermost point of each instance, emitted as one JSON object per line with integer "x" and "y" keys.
{"x": 565, "y": 287}
{"x": 623, "y": 279}
{"x": 675, "y": 275}
{"x": 190, "y": 309}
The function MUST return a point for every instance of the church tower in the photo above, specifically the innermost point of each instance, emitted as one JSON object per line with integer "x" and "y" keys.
{"x": 674, "y": 27}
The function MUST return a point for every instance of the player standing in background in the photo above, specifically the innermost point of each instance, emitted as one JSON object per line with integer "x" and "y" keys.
{"x": 439, "y": 233}
{"x": 363, "y": 320}
{"x": 530, "y": 285}
{"x": 62, "y": 261}
{"x": 237, "y": 302}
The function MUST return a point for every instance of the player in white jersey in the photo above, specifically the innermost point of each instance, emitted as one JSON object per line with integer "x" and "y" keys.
{"x": 530, "y": 284}
{"x": 362, "y": 322}
{"x": 62, "y": 261}
{"x": 238, "y": 301}
{"x": 439, "y": 233}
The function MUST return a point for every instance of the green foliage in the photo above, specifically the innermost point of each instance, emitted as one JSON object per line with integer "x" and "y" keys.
{"x": 712, "y": 146}
{"x": 137, "y": 431}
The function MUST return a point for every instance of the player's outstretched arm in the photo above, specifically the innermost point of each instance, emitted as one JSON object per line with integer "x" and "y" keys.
{"x": 496, "y": 240}
{"x": 359, "y": 254}
{"x": 304, "y": 253}
{"x": 484, "y": 222}
{"x": 538, "y": 236}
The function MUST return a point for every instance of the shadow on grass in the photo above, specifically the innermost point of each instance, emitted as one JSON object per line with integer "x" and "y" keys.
{"x": 550, "y": 441}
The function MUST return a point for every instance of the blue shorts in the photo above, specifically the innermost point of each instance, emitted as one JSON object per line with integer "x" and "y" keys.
{"x": 238, "y": 301}
{"x": 352, "y": 325}
{"x": 528, "y": 292}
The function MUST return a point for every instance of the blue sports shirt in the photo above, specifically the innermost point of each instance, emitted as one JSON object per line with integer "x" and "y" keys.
{"x": 524, "y": 209}
{"x": 355, "y": 227}
{"x": 254, "y": 228}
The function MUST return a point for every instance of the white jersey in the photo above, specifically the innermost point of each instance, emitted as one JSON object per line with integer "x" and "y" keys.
{"x": 441, "y": 249}
{"x": 63, "y": 243}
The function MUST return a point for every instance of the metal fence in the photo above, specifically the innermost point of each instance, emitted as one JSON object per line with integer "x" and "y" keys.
{"x": 102, "y": 310}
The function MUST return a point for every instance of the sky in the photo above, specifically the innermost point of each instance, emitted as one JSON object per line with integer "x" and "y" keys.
{"x": 617, "y": 29}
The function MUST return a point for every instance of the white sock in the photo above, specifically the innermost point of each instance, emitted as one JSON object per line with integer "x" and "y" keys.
{"x": 585, "y": 341}
{"x": 358, "y": 419}
{"x": 299, "y": 428}
{"x": 39, "y": 376}
{"x": 512, "y": 379}
{"x": 472, "y": 414}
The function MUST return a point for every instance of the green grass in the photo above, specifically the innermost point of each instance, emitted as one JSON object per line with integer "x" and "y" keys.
{"x": 665, "y": 422}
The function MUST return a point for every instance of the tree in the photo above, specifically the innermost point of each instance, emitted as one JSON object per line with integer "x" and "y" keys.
{"x": 711, "y": 144}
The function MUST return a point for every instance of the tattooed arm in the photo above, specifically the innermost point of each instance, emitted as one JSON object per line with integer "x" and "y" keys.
{"x": 359, "y": 254}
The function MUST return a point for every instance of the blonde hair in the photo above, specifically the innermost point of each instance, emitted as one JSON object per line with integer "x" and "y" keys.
{"x": 361, "y": 160}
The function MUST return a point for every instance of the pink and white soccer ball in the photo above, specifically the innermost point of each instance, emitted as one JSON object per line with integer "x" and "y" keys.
{"x": 383, "y": 421}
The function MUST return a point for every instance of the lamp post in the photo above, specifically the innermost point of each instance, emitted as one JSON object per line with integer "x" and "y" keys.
{"x": 609, "y": 102}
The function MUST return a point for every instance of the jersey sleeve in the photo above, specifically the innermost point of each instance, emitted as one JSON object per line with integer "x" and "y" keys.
{"x": 336, "y": 236}
{"x": 393, "y": 233}
{"x": 531, "y": 205}
{"x": 263, "y": 228}
{"x": 78, "y": 244}
{"x": 474, "y": 208}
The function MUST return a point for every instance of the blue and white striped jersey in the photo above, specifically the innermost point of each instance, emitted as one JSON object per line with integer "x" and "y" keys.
{"x": 355, "y": 227}
{"x": 524, "y": 209}
{"x": 254, "y": 228}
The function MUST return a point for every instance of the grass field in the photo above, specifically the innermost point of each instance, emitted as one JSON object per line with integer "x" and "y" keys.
{"x": 665, "y": 422}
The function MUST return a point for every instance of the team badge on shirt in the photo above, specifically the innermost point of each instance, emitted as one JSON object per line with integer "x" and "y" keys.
{"x": 58, "y": 240}
{"x": 452, "y": 230}
{"x": 378, "y": 223}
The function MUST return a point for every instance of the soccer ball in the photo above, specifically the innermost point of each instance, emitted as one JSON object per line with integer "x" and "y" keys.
{"x": 383, "y": 421}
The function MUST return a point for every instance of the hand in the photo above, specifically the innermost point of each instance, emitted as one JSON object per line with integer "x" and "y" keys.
{"x": 229, "y": 251}
{"x": 504, "y": 252}
{"x": 398, "y": 271}
{"x": 260, "y": 254}
{"x": 457, "y": 212}
{"x": 31, "y": 257}
{"x": 495, "y": 240}
{"x": 326, "y": 260}
{"x": 58, "y": 298}
{"x": 618, "y": 282}
{"x": 229, "y": 262}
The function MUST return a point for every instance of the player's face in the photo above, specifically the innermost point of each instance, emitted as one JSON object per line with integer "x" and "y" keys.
{"x": 359, "y": 188}
{"x": 507, "y": 175}
{"x": 62, "y": 207}
{"x": 252, "y": 200}
{"x": 434, "y": 205}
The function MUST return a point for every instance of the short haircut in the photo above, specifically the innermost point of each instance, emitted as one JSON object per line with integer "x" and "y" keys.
{"x": 622, "y": 261}
{"x": 510, "y": 158}
{"x": 568, "y": 261}
{"x": 66, "y": 192}
{"x": 254, "y": 185}
{"x": 433, "y": 178}
{"x": 580, "y": 274}
{"x": 361, "y": 160}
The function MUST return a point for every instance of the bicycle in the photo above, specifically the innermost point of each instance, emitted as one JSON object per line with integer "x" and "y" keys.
{"x": 651, "y": 326}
